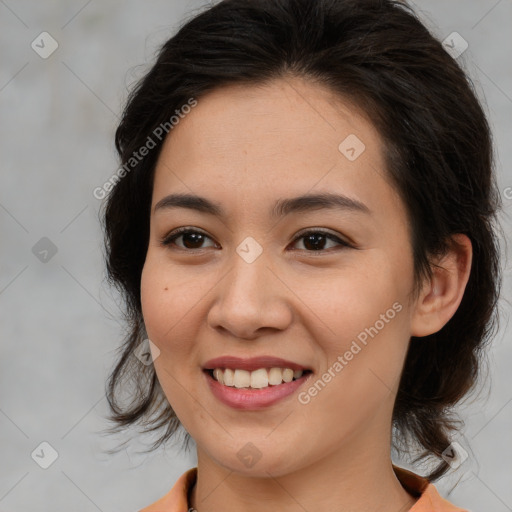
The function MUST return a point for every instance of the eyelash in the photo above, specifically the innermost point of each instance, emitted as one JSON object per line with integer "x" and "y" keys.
{"x": 168, "y": 240}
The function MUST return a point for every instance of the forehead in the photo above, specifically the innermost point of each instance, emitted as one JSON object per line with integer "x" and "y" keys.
{"x": 286, "y": 137}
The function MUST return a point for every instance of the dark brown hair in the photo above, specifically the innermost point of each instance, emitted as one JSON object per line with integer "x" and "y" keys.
{"x": 379, "y": 56}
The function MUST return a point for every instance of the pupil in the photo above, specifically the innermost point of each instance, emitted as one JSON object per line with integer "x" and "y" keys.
{"x": 193, "y": 238}
{"x": 313, "y": 239}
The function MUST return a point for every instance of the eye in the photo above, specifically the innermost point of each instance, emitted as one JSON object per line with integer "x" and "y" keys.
{"x": 315, "y": 240}
{"x": 191, "y": 238}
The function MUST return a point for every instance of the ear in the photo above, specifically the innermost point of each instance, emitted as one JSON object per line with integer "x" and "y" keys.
{"x": 440, "y": 296}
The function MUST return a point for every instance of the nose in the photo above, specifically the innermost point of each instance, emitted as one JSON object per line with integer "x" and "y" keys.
{"x": 251, "y": 300}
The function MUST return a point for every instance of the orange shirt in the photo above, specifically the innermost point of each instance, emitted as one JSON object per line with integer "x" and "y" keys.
{"x": 176, "y": 500}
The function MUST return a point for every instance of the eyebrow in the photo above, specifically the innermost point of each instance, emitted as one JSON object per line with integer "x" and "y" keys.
{"x": 282, "y": 207}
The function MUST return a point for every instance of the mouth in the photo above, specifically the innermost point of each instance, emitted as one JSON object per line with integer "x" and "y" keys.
{"x": 253, "y": 383}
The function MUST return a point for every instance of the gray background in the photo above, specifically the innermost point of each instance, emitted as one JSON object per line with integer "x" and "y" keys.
{"x": 59, "y": 322}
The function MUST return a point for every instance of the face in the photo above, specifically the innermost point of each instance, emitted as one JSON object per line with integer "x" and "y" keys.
{"x": 261, "y": 281}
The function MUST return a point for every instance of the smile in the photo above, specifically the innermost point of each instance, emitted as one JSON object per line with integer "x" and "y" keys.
{"x": 253, "y": 383}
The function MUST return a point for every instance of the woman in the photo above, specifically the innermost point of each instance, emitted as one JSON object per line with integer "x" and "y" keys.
{"x": 303, "y": 230}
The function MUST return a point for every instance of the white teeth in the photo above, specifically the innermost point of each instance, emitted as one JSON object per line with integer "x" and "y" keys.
{"x": 287, "y": 374}
{"x": 242, "y": 379}
{"x": 219, "y": 375}
{"x": 256, "y": 379}
{"x": 259, "y": 378}
{"x": 275, "y": 376}
{"x": 229, "y": 377}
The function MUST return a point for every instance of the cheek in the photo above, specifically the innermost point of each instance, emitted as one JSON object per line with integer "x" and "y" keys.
{"x": 168, "y": 298}
{"x": 360, "y": 381}
{"x": 170, "y": 324}
{"x": 367, "y": 317}
{"x": 355, "y": 301}
{"x": 173, "y": 317}
{"x": 154, "y": 302}
{"x": 164, "y": 310}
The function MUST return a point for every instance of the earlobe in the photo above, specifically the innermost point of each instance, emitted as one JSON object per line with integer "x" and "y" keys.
{"x": 441, "y": 295}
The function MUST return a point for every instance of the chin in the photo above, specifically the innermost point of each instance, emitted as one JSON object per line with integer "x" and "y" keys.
{"x": 249, "y": 460}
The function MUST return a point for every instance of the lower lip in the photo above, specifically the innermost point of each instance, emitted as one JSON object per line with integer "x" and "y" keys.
{"x": 253, "y": 399}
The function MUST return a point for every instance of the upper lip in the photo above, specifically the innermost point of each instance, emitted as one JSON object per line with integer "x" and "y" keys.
{"x": 251, "y": 363}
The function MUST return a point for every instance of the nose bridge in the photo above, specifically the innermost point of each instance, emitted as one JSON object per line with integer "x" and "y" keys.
{"x": 247, "y": 282}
